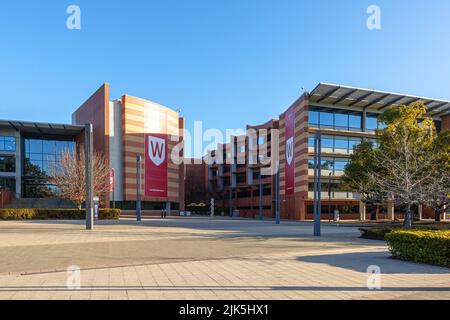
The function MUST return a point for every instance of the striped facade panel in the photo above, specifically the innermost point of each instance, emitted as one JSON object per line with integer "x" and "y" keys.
{"x": 140, "y": 117}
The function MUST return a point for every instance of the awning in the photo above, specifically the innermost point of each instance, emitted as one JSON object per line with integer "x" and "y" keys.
{"x": 372, "y": 100}
{"x": 42, "y": 128}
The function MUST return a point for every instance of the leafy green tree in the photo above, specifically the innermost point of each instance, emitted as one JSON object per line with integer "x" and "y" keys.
{"x": 410, "y": 167}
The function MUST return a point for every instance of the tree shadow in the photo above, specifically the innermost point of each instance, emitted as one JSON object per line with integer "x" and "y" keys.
{"x": 360, "y": 261}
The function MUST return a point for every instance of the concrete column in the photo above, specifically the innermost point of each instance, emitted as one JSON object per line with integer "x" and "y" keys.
{"x": 420, "y": 209}
{"x": 362, "y": 211}
{"x": 391, "y": 211}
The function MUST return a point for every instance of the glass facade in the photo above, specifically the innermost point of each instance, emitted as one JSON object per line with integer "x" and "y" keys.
{"x": 7, "y": 164}
{"x": 7, "y": 143}
{"x": 41, "y": 155}
{"x": 335, "y": 165}
{"x": 336, "y": 143}
{"x": 8, "y": 184}
{"x": 336, "y": 119}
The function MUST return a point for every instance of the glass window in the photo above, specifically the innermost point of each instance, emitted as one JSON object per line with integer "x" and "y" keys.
{"x": 7, "y": 143}
{"x": 326, "y": 119}
{"x": 313, "y": 117}
{"x": 7, "y": 164}
{"x": 311, "y": 163}
{"x": 341, "y": 120}
{"x": 339, "y": 164}
{"x": 354, "y": 121}
{"x": 341, "y": 143}
{"x": 327, "y": 142}
{"x": 327, "y": 164}
{"x": 352, "y": 142}
{"x": 371, "y": 123}
{"x": 311, "y": 141}
{"x": 8, "y": 184}
{"x": 261, "y": 140}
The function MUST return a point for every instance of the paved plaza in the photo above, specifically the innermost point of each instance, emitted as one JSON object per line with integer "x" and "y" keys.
{"x": 204, "y": 258}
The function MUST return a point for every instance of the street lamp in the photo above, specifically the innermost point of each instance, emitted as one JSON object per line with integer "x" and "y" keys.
{"x": 138, "y": 189}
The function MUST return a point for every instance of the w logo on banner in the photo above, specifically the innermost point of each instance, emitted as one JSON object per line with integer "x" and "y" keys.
{"x": 156, "y": 150}
{"x": 290, "y": 150}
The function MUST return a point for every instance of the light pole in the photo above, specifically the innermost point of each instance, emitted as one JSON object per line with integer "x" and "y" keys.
{"x": 317, "y": 182}
{"x": 138, "y": 189}
{"x": 88, "y": 143}
{"x": 277, "y": 194}
{"x": 260, "y": 196}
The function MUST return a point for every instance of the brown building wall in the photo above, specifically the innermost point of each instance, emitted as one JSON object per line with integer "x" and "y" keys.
{"x": 96, "y": 111}
{"x": 196, "y": 182}
{"x": 294, "y": 206}
{"x": 446, "y": 122}
{"x": 140, "y": 116}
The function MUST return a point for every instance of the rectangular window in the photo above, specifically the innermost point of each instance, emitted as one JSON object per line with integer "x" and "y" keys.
{"x": 354, "y": 122}
{"x": 339, "y": 164}
{"x": 326, "y": 119}
{"x": 327, "y": 142}
{"x": 341, "y": 143}
{"x": 8, "y": 184}
{"x": 371, "y": 123}
{"x": 353, "y": 142}
{"x": 311, "y": 141}
{"x": 313, "y": 118}
{"x": 327, "y": 164}
{"x": 341, "y": 121}
{"x": 7, "y": 143}
{"x": 7, "y": 164}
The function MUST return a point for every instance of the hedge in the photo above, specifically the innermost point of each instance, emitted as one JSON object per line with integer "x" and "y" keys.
{"x": 55, "y": 214}
{"x": 431, "y": 247}
{"x": 379, "y": 233}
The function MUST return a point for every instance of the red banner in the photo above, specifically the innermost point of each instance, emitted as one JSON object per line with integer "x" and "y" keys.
{"x": 111, "y": 180}
{"x": 290, "y": 157}
{"x": 156, "y": 157}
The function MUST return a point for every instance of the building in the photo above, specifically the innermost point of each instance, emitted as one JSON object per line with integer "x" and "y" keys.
{"x": 131, "y": 126}
{"x": 123, "y": 129}
{"x": 344, "y": 115}
{"x": 195, "y": 181}
{"x": 28, "y": 151}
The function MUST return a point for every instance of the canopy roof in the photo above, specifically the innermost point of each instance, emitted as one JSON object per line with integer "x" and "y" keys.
{"x": 42, "y": 128}
{"x": 372, "y": 100}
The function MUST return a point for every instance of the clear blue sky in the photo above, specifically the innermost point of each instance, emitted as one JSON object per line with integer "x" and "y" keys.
{"x": 226, "y": 62}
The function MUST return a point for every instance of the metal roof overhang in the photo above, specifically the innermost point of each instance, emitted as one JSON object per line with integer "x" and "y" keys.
{"x": 42, "y": 128}
{"x": 372, "y": 100}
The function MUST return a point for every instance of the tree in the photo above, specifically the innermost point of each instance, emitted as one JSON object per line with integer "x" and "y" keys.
{"x": 69, "y": 176}
{"x": 409, "y": 166}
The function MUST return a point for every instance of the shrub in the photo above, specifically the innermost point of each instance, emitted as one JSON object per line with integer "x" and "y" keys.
{"x": 432, "y": 247}
{"x": 376, "y": 233}
{"x": 55, "y": 214}
{"x": 379, "y": 233}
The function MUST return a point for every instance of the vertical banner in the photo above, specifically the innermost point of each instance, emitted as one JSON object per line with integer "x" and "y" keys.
{"x": 156, "y": 157}
{"x": 290, "y": 157}
{"x": 111, "y": 180}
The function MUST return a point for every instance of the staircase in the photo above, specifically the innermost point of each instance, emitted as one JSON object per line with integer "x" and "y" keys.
{"x": 38, "y": 203}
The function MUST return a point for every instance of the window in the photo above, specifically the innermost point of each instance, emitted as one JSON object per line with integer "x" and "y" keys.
{"x": 341, "y": 143}
{"x": 7, "y": 143}
{"x": 353, "y": 142}
{"x": 311, "y": 141}
{"x": 8, "y": 184}
{"x": 326, "y": 119}
{"x": 339, "y": 164}
{"x": 327, "y": 164}
{"x": 313, "y": 117}
{"x": 7, "y": 164}
{"x": 341, "y": 121}
{"x": 354, "y": 122}
{"x": 261, "y": 140}
{"x": 327, "y": 142}
{"x": 371, "y": 123}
